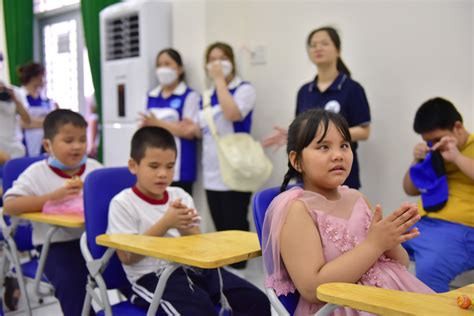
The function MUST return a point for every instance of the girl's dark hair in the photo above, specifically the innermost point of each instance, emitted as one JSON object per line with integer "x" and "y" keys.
{"x": 173, "y": 55}
{"x": 29, "y": 71}
{"x": 226, "y": 49}
{"x": 341, "y": 66}
{"x": 302, "y": 132}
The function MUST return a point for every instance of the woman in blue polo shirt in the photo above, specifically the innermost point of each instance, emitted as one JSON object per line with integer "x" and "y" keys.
{"x": 232, "y": 102}
{"x": 32, "y": 78}
{"x": 174, "y": 106}
{"x": 334, "y": 90}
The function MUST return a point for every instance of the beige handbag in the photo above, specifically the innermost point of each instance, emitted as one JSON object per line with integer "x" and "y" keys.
{"x": 243, "y": 164}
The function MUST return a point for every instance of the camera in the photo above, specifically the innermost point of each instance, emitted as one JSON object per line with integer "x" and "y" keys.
{"x": 4, "y": 95}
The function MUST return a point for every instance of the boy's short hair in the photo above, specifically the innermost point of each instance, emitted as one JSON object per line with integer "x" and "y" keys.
{"x": 436, "y": 113}
{"x": 150, "y": 137}
{"x": 60, "y": 117}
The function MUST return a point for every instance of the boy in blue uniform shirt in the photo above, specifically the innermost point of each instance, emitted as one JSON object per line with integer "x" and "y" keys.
{"x": 154, "y": 208}
{"x": 50, "y": 180}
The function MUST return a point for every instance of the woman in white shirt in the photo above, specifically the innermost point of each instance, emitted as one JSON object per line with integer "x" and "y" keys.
{"x": 32, "y": 78}
{"x": 232, "y": 102}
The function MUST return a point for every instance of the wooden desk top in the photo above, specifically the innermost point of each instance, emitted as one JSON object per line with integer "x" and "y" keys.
{"x": 391, "y": 302}
{"x": 70, "y": 221}
{"x": 211, "y": 250}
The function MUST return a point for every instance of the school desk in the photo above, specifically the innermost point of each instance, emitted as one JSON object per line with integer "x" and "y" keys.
{"x": 55, "y": 222}
{"x": 391, "y": 302}
{"x": 211, "y": 250}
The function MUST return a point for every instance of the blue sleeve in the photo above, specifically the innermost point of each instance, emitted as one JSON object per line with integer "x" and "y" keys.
{"x": 299, "y": 101}
{"x": 359, "y": 111}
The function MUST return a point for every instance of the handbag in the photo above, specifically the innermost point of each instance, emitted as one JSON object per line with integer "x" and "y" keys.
{"x": 73, "y": 205}
{"x": 243, "y": 164}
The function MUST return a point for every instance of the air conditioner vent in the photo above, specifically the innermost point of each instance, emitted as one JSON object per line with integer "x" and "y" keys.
{"x": 122, "y": 37}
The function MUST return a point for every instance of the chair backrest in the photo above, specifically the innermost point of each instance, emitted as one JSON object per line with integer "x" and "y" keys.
{"x": 100, "y": 187}
{"x": 11, "y": 171}
{"x": 261, "y": 201}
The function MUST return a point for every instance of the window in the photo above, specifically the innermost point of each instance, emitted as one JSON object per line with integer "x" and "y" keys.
{"x": 63, "y": 53}
{"x": 40, "y": 6}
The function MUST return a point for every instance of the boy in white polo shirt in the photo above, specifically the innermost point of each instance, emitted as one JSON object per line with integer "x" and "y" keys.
{"x": 153, "y": 208}
{"x": 65, "y": 141}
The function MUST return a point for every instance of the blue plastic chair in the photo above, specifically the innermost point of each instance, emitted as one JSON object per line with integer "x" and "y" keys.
{"x": 261, "y": 200}
{"x": 283, "y": 304}
{"x": 105, "y": 269}
{"x": 18, "y": 238}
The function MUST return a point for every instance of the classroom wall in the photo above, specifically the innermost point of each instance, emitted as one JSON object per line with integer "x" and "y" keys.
{"x": 402, "y": 51}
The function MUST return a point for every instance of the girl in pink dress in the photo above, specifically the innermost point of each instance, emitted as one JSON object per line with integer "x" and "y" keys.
{"x": 325, "y": 232}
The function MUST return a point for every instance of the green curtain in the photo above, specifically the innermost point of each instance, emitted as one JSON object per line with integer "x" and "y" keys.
{"x": 90, "y": 19}
{"x": 18, "y": 16}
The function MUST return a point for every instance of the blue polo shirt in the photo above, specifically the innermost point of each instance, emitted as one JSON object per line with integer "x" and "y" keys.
{"x": 344, "y": 96}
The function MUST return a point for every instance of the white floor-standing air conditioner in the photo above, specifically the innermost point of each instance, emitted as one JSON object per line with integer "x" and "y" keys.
{"x": 131, "y": 35}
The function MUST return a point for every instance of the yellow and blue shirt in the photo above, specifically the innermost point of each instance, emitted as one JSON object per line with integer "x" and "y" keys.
{"x": 460, "y": 205}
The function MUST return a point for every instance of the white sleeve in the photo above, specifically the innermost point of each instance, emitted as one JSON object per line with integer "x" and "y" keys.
{"x": 24, "y": 185}
{"x": 245, "y": 98}
{"x": 191, "y": 106}
{"x": 121, "y": 220}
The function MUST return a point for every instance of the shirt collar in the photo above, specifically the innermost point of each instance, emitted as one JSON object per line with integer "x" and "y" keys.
{"x": 149, "y": 199}
{"x": 336, "y": 85}
{"x": 179, "y": 90}
{"x": 62, "y": 174}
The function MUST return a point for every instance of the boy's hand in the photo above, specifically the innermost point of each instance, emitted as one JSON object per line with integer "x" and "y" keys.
{"x": 448, "y": 147}
{"x": 420, "y": 151}
{"x": 70, "y": 188}
{"x": 180, "y": 216}
{"x": 386, "y": 233}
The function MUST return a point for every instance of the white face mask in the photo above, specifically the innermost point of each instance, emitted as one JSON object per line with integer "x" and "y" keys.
{"x": 225, "y": 65}
{"x": 166, "y": 75}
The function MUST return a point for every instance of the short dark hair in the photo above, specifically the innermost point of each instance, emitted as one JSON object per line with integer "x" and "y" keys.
{"x": 29, "y": 71}
{"x": 150, "y": 137}
{"x": 436, "y": 113}
{"x": 303, "y": 130}
{"x": 60, "y": 117}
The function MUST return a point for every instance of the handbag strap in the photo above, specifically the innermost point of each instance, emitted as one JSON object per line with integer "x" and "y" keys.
{"x": 207, "y": 111}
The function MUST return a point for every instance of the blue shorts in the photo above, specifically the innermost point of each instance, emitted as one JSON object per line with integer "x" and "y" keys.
{"x": 441, "y": 252}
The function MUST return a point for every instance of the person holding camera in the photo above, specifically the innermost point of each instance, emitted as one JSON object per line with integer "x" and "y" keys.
{"x": 11, "y": 145}
{"x": 445, "y": 247}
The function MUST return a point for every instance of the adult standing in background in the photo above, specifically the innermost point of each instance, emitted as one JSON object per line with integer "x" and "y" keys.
{"x": 11, "y": 145}
{"x": 172, "y": 105}
{"x": 334, "y": 90}
{"x": 232, "y": 102}
{"x": 32, "y": 78}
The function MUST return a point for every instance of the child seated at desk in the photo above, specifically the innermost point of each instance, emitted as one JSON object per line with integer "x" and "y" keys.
{"x": 324, "y": 232}
{"x": 154, "y": 208}
{"x": 47, "y": 180}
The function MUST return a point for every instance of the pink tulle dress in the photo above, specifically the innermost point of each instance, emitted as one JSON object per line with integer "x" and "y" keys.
{"x": 342, "y": 224}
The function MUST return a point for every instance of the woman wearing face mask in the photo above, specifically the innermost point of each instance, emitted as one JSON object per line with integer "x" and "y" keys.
{"x": 32, "y": 78}
{"x": 333, "y": 90}
{"x": 232, "y": 101}
{"x": 174, "y": 106}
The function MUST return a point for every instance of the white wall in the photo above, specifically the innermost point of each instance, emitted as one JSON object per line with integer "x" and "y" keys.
{"x": 402, "y": 51}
